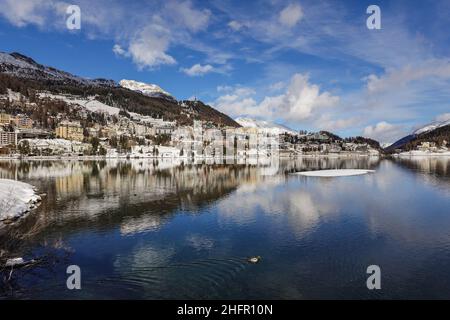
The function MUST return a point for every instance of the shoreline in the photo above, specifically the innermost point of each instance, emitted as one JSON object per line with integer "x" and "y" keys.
{"x": 134, "y": 157}
{"x": 280, "y": 156}
{"x": 422, "y": 154}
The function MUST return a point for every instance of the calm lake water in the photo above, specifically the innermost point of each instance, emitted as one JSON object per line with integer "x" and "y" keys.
{"x": 142, "y": 229}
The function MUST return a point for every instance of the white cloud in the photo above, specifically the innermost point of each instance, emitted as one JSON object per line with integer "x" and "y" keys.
{"x": 148, "y": 48}
{"x": 237, "y": 101}
{"x": 326, "y": 122}
{"x": 277, "y": 86}
{"x": 36, "y": 12}
{"x": 237, "y": 90}
{"x": 443, "y": 117}
{"x": 301, "y": 101}
{"x": 118, "y": 50}
{"x": 291, "y": 15}
{"x": 395, "y": 78}
{"x": 198, "y": 70}
{"x": 143, "y": 32}
{"x": 235, "y": 105}
{"x": 183, "y": 13}
{"x": 244, "y": 91}
{"x": 224, "y": 88}
{"x": 235, "y": 25}
{"x": 303, "y": 98}
{"x": 99, "y": 17}
{"x": 384, "y": 132}
{"x": 406, "y": 93}
{"x": 332, "y": 30}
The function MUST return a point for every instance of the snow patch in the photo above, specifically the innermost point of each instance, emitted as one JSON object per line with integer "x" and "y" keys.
{"x": 97, "y": 106}
{"x": 421, "y": 153}
{"x": 14, "y": 261}
{"x": 16, "y": 198}
{"x": 8, "y": 59}
{"x": 90, "y": 103}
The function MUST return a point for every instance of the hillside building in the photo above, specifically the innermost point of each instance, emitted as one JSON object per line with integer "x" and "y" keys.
{"x": 8, "y": 138}
{"x": 70, "y": 131}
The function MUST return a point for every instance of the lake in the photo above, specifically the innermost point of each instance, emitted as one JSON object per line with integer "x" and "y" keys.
{"x": 148, "y": 229}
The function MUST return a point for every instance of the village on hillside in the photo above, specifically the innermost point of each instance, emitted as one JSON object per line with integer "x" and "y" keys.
{"x": 105, "y": 132}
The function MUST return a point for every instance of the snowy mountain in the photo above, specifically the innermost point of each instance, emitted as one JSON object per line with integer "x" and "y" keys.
{"x": 432, "y": 126}
{"x": 23, "y": 77}
{"x": 264, "y": 126}
{"x": 150, "y": 90}
{"x": 21, "y": 66}
{"x": 434, "y": 131}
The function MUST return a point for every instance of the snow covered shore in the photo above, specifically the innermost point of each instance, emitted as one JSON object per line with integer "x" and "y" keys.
{"x": 16, "y": 199}
{"x": 334, "y": 173}
{"x": 420, "y": 153}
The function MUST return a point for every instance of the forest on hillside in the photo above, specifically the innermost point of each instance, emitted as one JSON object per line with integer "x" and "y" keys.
{"x": 114, "y": 96}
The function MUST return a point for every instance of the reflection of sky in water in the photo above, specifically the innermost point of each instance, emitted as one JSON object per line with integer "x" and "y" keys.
{"x": 142, "y": 230}
{"x": 380, "y": 199}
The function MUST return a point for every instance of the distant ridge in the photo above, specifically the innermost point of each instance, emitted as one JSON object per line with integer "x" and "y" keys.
{"x": 437, "y": 131}
{"x": 264, "y": 125}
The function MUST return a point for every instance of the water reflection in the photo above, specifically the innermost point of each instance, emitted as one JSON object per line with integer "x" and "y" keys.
{"x": 147, "y": 229}
{"x": 148, "y": 190}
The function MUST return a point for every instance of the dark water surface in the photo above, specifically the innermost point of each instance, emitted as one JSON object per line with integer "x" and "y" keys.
{"x": 153, "y": 230}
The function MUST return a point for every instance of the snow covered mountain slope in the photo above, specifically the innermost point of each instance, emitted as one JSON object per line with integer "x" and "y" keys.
{"x": 265, "y": 126}
{"x": 21, "y": 66}
{"x": 148, "y": 89}
{"x": 429, "y": 132}
{"x": 432, "y": 126}
{"x": 89, "y": 103}
{"x": 20, "y": 75}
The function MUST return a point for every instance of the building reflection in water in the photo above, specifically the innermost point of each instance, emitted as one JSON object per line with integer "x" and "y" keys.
{"x": 139, "y": 195}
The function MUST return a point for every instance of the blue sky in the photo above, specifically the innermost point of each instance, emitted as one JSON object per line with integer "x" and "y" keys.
{"x": 307, "y": 64}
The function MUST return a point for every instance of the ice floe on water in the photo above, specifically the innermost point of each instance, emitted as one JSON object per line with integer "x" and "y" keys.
{"x": 334, "y": 173}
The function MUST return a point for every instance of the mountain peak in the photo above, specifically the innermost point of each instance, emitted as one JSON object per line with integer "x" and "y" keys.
{"x": 24, "y": 58}
{"x": 148, "y": 89}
